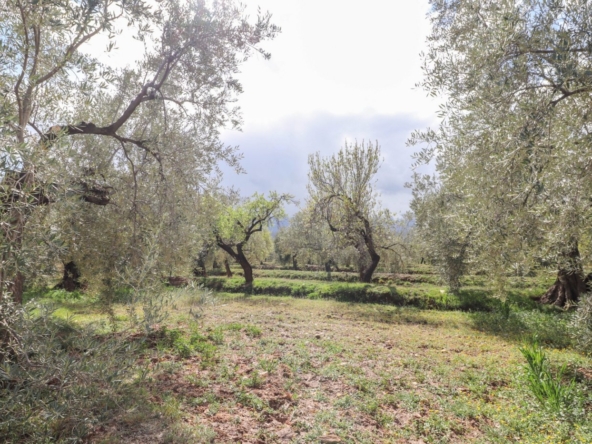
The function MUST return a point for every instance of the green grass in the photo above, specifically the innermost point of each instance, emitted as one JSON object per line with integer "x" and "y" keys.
{"x": 421, "y": 295}
{"x": 308, "y": 289}
{"x": 422, "y": 365}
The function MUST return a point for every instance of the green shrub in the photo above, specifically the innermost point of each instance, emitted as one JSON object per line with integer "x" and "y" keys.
{"x": 253, "y": 331}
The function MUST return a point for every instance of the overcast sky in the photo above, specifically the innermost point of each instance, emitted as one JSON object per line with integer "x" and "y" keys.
{"x": 340, "y": 70}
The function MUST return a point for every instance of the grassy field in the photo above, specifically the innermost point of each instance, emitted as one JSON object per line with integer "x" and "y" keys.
{"x": 261, "y": 369}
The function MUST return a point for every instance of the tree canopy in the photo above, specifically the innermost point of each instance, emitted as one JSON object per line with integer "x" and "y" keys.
{"x": 237, "y": 228}
{"x": 342, "y": 193}
{"x": 513, "y": 146}
{"x": 144, "y": 138}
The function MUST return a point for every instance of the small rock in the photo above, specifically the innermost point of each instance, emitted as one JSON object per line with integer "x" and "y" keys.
{"x": 318, "y": 336}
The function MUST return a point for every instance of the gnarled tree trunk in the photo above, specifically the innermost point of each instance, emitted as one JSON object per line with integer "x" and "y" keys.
{"x": 367, "y": 272}
{"x": 246, "y": 266}
{"x": 71, "y": 278}
{"x": 239, "y": 256}
{"x": 570, "y": 283}
{"x": 566, "y": 290}
{"x": 227, "y": 268}
{"x": 200, "y": 269}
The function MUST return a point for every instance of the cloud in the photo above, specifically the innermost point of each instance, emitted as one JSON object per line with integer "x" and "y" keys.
{"x": 275, "y": 155}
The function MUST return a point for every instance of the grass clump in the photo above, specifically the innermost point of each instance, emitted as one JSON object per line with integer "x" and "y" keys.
{"x": 186, "y": 346}
{"x": 548, "y": 389}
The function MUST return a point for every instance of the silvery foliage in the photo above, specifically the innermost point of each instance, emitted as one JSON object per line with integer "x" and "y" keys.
{"x": 147, "y": 132}
{"x": 200, "y": 297}
{"x": 342, "y": 194}
{"x": 514, "y": 138}
{"x": 443, "y": 240}
{"x": 57, "y": 379}
{"x": 581, "y": 324}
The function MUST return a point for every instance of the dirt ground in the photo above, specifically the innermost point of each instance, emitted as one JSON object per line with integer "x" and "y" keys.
{"x": 296, "y": 371}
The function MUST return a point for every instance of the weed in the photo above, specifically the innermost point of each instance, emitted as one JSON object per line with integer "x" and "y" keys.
{"x": 253, "y": 331}
{"x": 183, "y": 434}
{"x": 268, "y": 365}
{"x": 233, "y": 327}
{"x": 170, "y": 408}
{"x": 197, "y": 382}
{"x": 370, "y": 407}
{"x": 548, "y": 389}
{"x": 254, "y": 381}
{"x": 183, "y": 348}
{"x": 251, "y": 400}
{"x": 217, "y": 336}
{"x": 345, "y": 402}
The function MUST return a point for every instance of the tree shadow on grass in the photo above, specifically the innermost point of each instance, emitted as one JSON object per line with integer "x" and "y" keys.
{"x": 393, "y": 316}
{"x": 549, "y": 325}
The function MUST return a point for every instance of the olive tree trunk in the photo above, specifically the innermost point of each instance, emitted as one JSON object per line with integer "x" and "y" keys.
{"x": 71, "y": 278}
{"x": 241, "y": 259}
{"x": 227, "y": 268}
{"x": 570, "y": 283}
{"x": 367, "y": 272}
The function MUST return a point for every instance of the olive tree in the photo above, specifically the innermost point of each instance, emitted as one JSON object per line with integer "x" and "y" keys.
{"x": 307, "y": 239}
{"x": 238, "y": 225}
{"x": 514, "y": 139}
{"x": 60, "y": 105}
{"x": 342, "y": 193}
{"x": 444, "y": 240}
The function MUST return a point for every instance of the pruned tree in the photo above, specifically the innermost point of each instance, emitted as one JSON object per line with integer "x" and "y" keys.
{"x": 342, "y": 194}
{"x": 237, "y": 225}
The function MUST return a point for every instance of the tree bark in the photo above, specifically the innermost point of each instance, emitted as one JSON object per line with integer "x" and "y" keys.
{"x": 71, "y": 278}
{"x": 246, "y": 266}
{"x": 200, "y": 269}
{"x": 570, "y": 283}
{"x": 17, "y": 288}
{"x": 239, "y": 257}
{"x": 367, "y": 273}
{"x": 227, "y": 268}
{"x": 294, "y": 262}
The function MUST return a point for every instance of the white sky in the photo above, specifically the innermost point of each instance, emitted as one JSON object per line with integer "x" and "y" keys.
{"x": 339, "y": 70}
{"x": 338, "y": 56}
